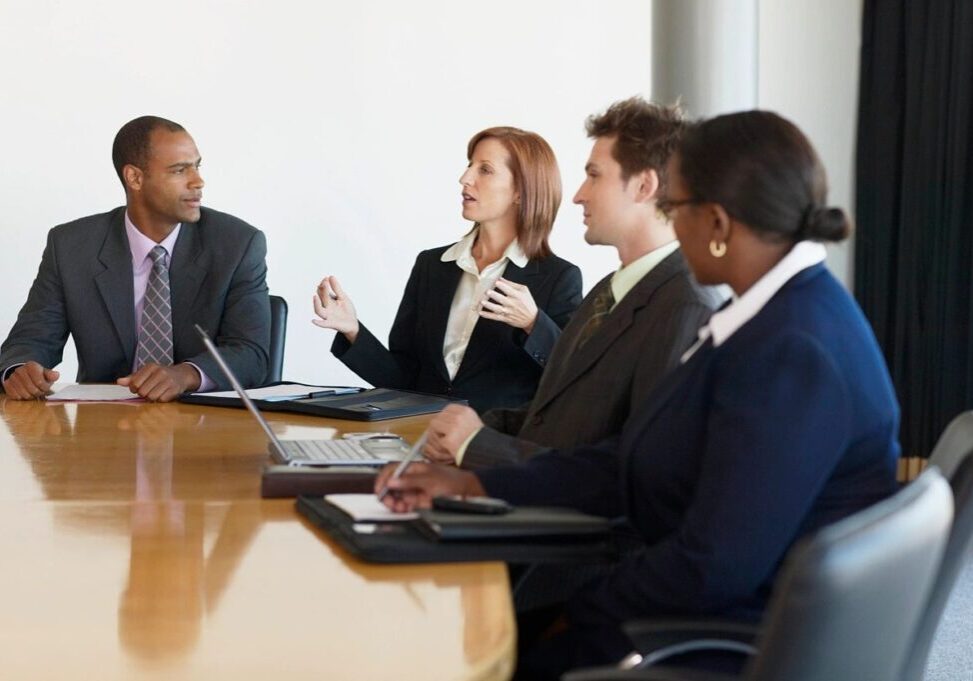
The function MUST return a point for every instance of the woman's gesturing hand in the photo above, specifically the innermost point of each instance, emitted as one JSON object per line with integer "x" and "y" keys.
{"x": 335, "y": 309}
{"x": 511, "y": 304}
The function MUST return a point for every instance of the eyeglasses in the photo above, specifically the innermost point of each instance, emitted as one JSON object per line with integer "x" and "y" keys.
{"x": 666, "y": 205}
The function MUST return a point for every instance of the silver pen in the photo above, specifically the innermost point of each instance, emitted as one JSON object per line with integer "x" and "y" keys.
{"x": 404, "y": 463}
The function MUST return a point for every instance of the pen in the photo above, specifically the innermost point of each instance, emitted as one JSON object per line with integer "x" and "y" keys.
{"x": 333, "y": 392}
{"x": 400, "y": 469}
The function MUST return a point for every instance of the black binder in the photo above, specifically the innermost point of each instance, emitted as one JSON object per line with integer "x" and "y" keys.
{"x": 414, "y": 542}
{"x": 525, "y": 522}
{"x": 293, "y": 481}
{"x": 376, "y": 404}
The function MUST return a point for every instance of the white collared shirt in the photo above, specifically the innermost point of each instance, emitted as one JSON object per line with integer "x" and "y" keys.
{"x": 742, "y": 309}
{"x": 473, "y": 285}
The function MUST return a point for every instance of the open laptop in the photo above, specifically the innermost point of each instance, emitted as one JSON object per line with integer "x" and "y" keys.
{"x": 377, "y": 452}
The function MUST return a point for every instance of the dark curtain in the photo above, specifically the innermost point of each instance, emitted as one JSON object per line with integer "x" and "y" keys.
{"x": 914, "y": 205}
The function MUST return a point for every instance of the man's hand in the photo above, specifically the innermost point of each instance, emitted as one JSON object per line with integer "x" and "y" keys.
{"x": 423, "y": 481}
{"x": 30, "y": 381}
{"x": 162, "y": 384}
{"x": 448, "y": 430}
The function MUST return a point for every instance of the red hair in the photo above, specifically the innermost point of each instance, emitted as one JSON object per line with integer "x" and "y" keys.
{"x": 537, "y": 179}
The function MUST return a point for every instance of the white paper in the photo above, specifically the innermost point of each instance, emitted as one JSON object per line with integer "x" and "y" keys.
{"x": 284, "y": 392}
{"x": 92, "y": 392}
{"x": 366, "y": 508}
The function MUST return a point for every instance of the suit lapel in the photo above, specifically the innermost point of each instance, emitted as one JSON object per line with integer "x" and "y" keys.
{"x": 186, "y": 275}
{"x": 484, "y": 337}
{"x": 618, "y": 322}
{"x": 115, "y": 284}
{"x": 443, "y": 280}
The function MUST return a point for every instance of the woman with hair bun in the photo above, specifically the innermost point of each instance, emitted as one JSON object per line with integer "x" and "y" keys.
{"x": 781, "y": 419}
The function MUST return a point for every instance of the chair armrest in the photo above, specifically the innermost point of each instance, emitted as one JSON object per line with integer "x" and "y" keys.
{"x": 657, "y": 640}
{"x": 654, "y": 674}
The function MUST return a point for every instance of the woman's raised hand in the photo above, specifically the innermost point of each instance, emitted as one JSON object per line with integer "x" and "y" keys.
{"x": 335, "y": 309}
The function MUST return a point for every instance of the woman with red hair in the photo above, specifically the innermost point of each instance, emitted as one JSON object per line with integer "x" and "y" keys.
{"x": 479, "y": 317}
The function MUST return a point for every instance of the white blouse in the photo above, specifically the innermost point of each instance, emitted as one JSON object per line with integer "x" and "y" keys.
{"x": 473, "y": 285}
{"x": 725, "y": 322}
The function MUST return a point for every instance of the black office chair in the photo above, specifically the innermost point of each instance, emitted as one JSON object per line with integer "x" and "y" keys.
{"x": 953, "y": 455}
{"x": 278, "y": 336}
{"x": 954, "y": 445}
{"x": 847, "y": 600}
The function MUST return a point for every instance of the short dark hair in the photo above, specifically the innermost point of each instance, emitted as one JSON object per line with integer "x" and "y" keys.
{"x": 645, "y": 134}
{"x": 131, "y": 146}
{"x": 764, "y": 172}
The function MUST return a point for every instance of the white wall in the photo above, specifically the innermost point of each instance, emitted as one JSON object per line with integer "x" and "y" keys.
{"x": 338, "y": 128}
{"x": 808, "y": 72}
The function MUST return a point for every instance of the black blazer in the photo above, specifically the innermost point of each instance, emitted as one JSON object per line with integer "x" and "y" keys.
{"x": 84, "y": 287}
{"x": 502, "y": 365}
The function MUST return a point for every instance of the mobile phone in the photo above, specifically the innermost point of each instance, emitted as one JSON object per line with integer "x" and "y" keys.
{"x": 483, "y": 505}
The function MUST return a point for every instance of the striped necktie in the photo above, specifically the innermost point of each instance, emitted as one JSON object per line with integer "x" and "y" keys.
{"x": 602, "y": 305}
{"x": 155, "y": 329}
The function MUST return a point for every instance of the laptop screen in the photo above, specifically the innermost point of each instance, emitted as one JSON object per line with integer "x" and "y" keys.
{"x": 214, "y": 351}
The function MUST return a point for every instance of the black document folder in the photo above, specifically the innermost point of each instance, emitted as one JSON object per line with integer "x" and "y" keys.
{"x": 415, "y": 542}
{"x": 521, "y": 523}
{"x": 368, "y": 405}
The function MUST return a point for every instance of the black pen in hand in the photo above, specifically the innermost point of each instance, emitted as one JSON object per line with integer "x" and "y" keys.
{"x": 404, "y": 464}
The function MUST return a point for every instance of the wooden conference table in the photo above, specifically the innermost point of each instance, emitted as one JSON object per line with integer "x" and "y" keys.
{"x": 136, "y": 546}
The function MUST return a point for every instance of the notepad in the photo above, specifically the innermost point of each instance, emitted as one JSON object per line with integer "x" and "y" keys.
{"x": 93, "y": 392}
{"x": 366, "y": 508}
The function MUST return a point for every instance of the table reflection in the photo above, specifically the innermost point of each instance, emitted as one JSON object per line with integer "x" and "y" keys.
{"x": 151, "y": 555}
{"x": 87, "y": 451}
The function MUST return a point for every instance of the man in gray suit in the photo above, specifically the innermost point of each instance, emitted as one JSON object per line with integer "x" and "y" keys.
{"x": 129, "y": 284}
{"x": 630, "y": 329}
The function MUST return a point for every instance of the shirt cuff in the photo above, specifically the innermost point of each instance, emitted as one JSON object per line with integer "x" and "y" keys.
{"x": 9, "y": 370}
{"x": 461, "y": 452}
{"x": 205, "y": 384}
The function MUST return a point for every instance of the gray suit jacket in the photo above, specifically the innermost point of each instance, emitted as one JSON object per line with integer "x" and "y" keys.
{"x": 84, "y": 287}
{"x": 587, "y": 394}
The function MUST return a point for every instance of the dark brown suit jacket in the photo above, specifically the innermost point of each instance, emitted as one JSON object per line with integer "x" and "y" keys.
{"x": 586, "y": 394}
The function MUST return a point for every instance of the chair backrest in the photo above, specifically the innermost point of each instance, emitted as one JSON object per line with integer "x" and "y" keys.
{"x": 954, "y": 445}
{"x": 278, "y": 336}
{"x": 849, "y": 598}
{"x": 953, "y": 455}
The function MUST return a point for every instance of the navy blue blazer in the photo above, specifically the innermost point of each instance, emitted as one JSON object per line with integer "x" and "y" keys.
{"x": 502, "y": 365}
{"x": 787, "y": 426}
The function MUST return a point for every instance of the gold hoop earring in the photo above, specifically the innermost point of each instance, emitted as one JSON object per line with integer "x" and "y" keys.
{"x": 717, "y": 249}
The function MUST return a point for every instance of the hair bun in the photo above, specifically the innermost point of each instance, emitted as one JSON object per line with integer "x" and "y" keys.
{"x": 822, "y": 223}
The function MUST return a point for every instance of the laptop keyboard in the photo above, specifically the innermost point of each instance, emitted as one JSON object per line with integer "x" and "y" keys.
{"x": 328, "y": 451}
